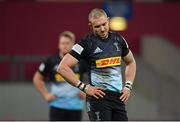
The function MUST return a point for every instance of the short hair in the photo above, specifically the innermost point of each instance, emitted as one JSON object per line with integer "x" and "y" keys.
{"x": 68, "y": 34}
{"x": 96, "y": 13}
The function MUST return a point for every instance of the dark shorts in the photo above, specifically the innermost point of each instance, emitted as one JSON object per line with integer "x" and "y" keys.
{"x": 57, "y": 114}
{"x": 108, "y": 108}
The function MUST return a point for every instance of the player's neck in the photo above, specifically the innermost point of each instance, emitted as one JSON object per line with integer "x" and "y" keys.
{"x": 61, "y": 54}
{"x": 103, "y": 38}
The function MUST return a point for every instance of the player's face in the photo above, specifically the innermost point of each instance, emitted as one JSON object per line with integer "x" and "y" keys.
{"x": 65, "y": 44}
{"x": 101, "y": 26}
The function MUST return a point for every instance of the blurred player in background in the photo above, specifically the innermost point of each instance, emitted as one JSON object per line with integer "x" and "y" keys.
{"x": 104, "y": 51}
{"x": 65, "y": 101}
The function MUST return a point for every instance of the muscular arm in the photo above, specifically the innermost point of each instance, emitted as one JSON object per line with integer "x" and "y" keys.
{"x": 38, "y": 81}
{"x": 130, "y": 70}
{"x": 65, "y": 70}
{"x": 130, "y": 73}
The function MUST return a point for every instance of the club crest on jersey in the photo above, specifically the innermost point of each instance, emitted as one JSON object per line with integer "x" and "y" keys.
{"x": 107, "y": 62}
{"x": 97, "y": 50}
{"x": 116, "y": 45}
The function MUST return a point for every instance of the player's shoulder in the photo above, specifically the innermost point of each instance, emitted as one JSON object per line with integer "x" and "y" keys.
{"x": 117, "y": 36}
{"x": 88, "y": 37}
{"x": 52, "y": 58}
{"x": 86, "y": 41}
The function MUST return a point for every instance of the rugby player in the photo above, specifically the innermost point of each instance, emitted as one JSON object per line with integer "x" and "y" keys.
{"x": 65, "y": 101}
{"x": 104, "y": 52}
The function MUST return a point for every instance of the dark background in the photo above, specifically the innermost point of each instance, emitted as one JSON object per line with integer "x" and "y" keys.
{"x": 29, "y": 31}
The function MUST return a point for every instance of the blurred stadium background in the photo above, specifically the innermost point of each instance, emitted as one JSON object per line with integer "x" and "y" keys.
{"x": 29, "y": 32}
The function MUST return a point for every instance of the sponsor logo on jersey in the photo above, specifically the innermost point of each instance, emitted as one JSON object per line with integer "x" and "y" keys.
{"x": 98, "y": 50}
{"x": 107, "y": 62}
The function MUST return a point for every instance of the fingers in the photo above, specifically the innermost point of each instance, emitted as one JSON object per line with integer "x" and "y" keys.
{"x": 101, "y": 92}
{"x": 98, "y": 93}
{"x": 126, "y": 93}
{"x": 99, "y": 89}
{"x": 95, "y": 96}
{"x": 124, "y": 97}
{"x": 95, "y": 92}
{"x": 52, "y": 98}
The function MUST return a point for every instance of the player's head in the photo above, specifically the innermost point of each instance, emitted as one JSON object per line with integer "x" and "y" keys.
{"x": 99, "y": 22}
{"x": 66, "y": 41}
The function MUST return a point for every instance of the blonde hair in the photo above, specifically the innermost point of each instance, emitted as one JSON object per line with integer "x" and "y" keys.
{"x": 69, "y": 35}
{"x": 96, "y": 13}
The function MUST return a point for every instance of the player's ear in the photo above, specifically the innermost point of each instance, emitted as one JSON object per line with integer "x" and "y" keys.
{"x": 90, "y": 25}
{"x": 108, "y": 19}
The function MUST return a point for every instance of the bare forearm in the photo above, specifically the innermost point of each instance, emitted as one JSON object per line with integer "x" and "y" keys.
{"x": 40, "y": 86}
{"x": 68, "y": 75}
{"x": 66, "y": 72}
{"x": 130, "y": 71}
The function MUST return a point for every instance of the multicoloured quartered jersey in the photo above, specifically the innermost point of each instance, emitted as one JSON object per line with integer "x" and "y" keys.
{"x": 67, "y": 95}
{"x": 104, "y": 57}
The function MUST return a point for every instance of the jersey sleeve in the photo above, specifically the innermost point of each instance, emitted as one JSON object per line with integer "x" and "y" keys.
{"x": 44, "y": 68}
{"x": 78, "y": 51}
{"x": 125, "y": 47}
{"x": 83, "y": 69}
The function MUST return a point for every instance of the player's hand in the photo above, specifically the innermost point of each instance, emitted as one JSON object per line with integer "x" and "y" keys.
{"x": 82, "y": 95}
{"x": 49, "y": 97}
{"x": 125, "y": 94}
{"x": 95, "y": 92}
